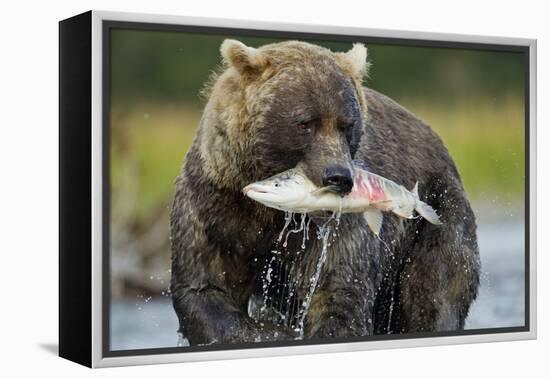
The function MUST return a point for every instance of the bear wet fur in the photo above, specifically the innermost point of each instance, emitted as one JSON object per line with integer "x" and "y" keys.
{"x": 294, "y": 103}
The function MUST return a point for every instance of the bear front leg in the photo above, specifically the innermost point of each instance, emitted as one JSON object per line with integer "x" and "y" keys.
{"x": 441, "y": 279}
{"x": 338, "y": 313}
{"x": 343, "y": 302}
{"x": 209, "y": 315}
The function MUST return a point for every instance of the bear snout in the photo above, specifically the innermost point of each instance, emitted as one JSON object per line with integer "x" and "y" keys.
{"x": 338, "y": 178}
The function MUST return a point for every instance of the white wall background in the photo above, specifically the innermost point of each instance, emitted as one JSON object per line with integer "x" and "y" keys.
{"x": 28, "y": 190}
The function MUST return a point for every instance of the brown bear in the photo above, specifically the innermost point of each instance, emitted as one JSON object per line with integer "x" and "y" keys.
{"x": 294, "y": 103}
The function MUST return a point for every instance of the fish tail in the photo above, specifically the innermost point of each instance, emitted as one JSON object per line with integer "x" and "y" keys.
{"x": 425, "y": 210}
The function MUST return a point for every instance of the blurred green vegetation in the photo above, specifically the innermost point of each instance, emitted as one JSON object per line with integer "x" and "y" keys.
{"x": 472, "y": 98}
{"x": 486, "y": 142}
{"x": 173, "y": 66}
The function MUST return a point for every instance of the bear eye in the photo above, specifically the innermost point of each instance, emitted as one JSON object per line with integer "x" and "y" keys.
{"x": 305, "y": 125}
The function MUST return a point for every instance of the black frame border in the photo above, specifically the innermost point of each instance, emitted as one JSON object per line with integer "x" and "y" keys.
{"x": 75, "y": 189}
{"x": 108, "y": 25}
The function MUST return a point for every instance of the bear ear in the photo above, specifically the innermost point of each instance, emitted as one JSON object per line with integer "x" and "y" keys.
{"x": 246, "y": 60}
{"x": 357, "y": 60}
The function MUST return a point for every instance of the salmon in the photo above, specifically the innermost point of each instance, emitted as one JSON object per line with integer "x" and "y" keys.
{"x": 371, "y": 195}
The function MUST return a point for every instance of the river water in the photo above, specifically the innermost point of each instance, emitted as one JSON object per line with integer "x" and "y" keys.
{"x": 152, "y": 323}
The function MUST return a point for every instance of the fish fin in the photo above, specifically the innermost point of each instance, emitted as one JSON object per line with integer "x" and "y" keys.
{"x": 374, "y": 219}
{"x": 414, "y": 191}
{"x": 427, "y": 212}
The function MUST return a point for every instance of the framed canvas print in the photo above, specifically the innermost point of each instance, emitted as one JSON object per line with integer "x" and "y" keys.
{"x": 232, "y": 189}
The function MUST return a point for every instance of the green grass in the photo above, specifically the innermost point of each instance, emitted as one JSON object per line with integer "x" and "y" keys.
{"x": 151, "y": 141}
{"x": 486, "y": 140}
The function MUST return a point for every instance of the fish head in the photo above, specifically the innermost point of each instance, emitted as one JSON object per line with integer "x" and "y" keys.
{"x": 284, "y": 191}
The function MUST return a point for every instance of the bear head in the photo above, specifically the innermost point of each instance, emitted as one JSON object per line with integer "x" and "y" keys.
{"x": 284, "y": 105}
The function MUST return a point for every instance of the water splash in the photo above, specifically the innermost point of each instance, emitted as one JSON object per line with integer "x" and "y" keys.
{"x": 390, "y": 314}
{"x": 392, "y": 298}
{"x": 289, "y": 216}
{"x": 268, "y": 270}
{"x": 323, "y": 234}
{"x": 282, "y": 276}
{"x": 296, "y": 230}
{"x": 339, "y": 213}
{"x": 273, "y": 275}
{"x": 386, "y": 246}
{"x": 306, "y": 234}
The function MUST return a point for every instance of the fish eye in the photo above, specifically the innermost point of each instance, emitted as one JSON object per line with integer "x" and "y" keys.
{"x": 277, "y": 184}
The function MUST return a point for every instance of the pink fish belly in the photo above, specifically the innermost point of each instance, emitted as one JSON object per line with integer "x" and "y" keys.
{"x": 370, "y": 189}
